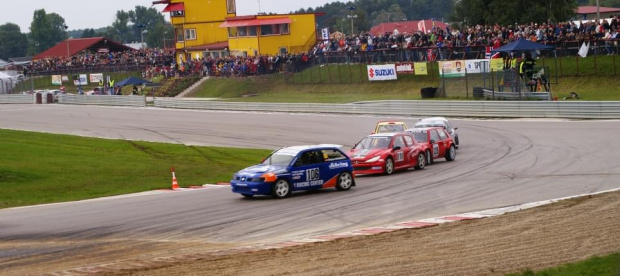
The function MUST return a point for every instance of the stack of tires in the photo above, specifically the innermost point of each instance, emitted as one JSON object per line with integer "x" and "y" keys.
{"x": 478, "y": 93}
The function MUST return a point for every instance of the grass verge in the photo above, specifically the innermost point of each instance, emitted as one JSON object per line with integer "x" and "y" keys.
{"x": 593, "y": 78}
{"x": 39, "y": 168}
{"x": 596, "y": 266}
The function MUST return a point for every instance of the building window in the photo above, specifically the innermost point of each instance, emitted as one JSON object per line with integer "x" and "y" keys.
{"x": 277, "y": 29}
{"x": 177, "y": 13}
{"x": 190, "y": 34}
{"x": 179, "y": 34}
{"x": 284, "y": 28}
{"x": 266, "y": 30}
{"x": 242, "y": 31}
{"x": 230, "y": 6}
{"x": 252, "y": 31}
{"x": 232, "y": 32}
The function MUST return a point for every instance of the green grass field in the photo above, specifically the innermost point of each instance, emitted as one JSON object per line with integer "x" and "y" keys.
{"x": 44, "y": 168}
{"x": 597, "y": 266}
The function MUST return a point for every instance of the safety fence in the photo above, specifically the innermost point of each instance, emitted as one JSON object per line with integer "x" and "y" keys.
{"x": 139, "y": 101}
{"x": 491, "y": 109}
{"x": 16, "y": 99}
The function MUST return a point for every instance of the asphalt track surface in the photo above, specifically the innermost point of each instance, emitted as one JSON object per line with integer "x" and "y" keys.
{"x": 500, "y": 163}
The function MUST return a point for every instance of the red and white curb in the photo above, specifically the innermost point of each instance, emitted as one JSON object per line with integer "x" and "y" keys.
{"x": 422, "y": 223}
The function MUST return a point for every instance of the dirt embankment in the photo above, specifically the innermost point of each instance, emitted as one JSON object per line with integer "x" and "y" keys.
{"x": 537, "y": 238}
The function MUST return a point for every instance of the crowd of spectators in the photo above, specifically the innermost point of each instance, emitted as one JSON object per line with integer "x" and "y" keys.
{"x": 466, "y": 38}
{"x": 419, "y": 46}
{"x": 87, "y": 60}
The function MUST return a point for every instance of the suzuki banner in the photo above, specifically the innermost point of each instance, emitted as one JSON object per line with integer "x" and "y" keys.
{"x": 381, "y": 72}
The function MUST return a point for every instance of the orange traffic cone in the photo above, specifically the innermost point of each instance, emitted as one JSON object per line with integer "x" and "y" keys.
{"x": 175, "y": 184}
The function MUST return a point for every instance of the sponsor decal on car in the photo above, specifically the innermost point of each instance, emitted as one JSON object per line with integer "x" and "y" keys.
{"x": 309, "y": 183}
{"x": 338, "y": 165}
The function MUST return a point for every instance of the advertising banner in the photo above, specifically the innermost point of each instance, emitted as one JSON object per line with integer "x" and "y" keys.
{"x": 475, "y": 66}
{"x": 65, "y": 78}
{"x": 96, "y": 78}
{"x": 404, "y": 68}
{"x": 325, "y": 34}
{"x": 497, "y": 64}
{"x": 453, "y": 68}
{"x": 381, "y": 72}
{"x": 57, "y": 79}
{"x": 81, "y": 81}
{"x": 420, "y": 68}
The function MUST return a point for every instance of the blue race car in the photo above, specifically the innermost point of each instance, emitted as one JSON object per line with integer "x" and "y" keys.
{"x": 297, "y": 168}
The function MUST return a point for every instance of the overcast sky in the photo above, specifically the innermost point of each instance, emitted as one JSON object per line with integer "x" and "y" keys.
{"x": 81, "y": 14}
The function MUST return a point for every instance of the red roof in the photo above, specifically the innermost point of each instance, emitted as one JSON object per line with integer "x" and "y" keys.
{"x": 71, "y": 47}
{"x": 592, "y": 9}
{"x": 255, "y": 22}
{"x": 407, "y": 27}
{"x": 174, "y": 7}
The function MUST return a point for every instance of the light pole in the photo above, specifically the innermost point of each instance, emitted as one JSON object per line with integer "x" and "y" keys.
{"x": 142, "y": 32}
{"x": 142, "y": 37}
{"x": 66, "y": 28}
{"x": 351, "y": 16}
{"x": 165, "y": 33}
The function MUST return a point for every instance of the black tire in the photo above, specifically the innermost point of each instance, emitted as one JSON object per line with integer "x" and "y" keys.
{"x": 421, "y": 162}
{"x": 429, "y": 157}
{"x": 247, "y": 195}
{"x": 345, "y": 181}
{"x": 281, "y": 189}
{"x": 451, "y": 154}
{"x": 388, "y": 168}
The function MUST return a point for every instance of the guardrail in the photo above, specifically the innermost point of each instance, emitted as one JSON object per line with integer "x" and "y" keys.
{"x": 491, "y": 109}
{"x": 489, "y": 94}
{"x": 111, "y": 100}
{"x": 16, "y": 99}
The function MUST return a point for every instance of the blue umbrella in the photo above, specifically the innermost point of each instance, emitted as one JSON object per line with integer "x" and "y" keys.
{"x": 132, "y": 81}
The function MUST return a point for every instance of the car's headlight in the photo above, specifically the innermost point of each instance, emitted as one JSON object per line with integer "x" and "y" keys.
{"x": 374, "y": 159}
{"x": 269, "y": 177}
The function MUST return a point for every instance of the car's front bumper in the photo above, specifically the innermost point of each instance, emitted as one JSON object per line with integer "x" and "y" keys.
{"x": 251, "y": 188}
{"x": 361, "y": 167}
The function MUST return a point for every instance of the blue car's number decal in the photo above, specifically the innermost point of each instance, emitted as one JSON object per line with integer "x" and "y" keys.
{"x": 313, "y": 178}
{"x": 312, "y": 174}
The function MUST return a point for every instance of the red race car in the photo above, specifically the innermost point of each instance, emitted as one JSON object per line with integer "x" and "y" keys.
{"x": 387, "y": 152}
{"x": 436, "y": 140}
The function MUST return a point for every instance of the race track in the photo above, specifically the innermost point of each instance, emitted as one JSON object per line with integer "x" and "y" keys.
{"x": 499, "y": 163}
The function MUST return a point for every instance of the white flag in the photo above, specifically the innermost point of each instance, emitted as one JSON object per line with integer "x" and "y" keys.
{"x": 583, "y": 51}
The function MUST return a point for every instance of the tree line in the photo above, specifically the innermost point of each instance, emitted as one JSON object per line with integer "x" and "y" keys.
{"x": 48, "y": 29}
{"x": 368, "y": 13}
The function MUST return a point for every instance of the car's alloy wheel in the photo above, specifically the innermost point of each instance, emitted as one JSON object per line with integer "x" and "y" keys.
{"x": 451, "y": 153}
{"x": 281, "y": 189}
{"x": 345, "y": 181}
{"x": 421, "y": 162}
{"x": 389, "y": 166}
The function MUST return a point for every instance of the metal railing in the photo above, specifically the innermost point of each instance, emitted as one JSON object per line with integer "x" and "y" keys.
{"x": 109, "y": 100}
{"x": 490, "y": 109}
{"x": 16, "y": 99}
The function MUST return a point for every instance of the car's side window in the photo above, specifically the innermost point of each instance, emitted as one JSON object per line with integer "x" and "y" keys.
{"x": 408, "y": 140}
{"x": 398, "y": 142}
{"x": 442, "y": 135}
{"x": 434, "y": 135}
{"x": 309, "y": 158}
{"x": 332, "y": 155}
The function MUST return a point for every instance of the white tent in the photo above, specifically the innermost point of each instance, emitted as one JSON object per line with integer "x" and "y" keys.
{"x": 6, "y": 83}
